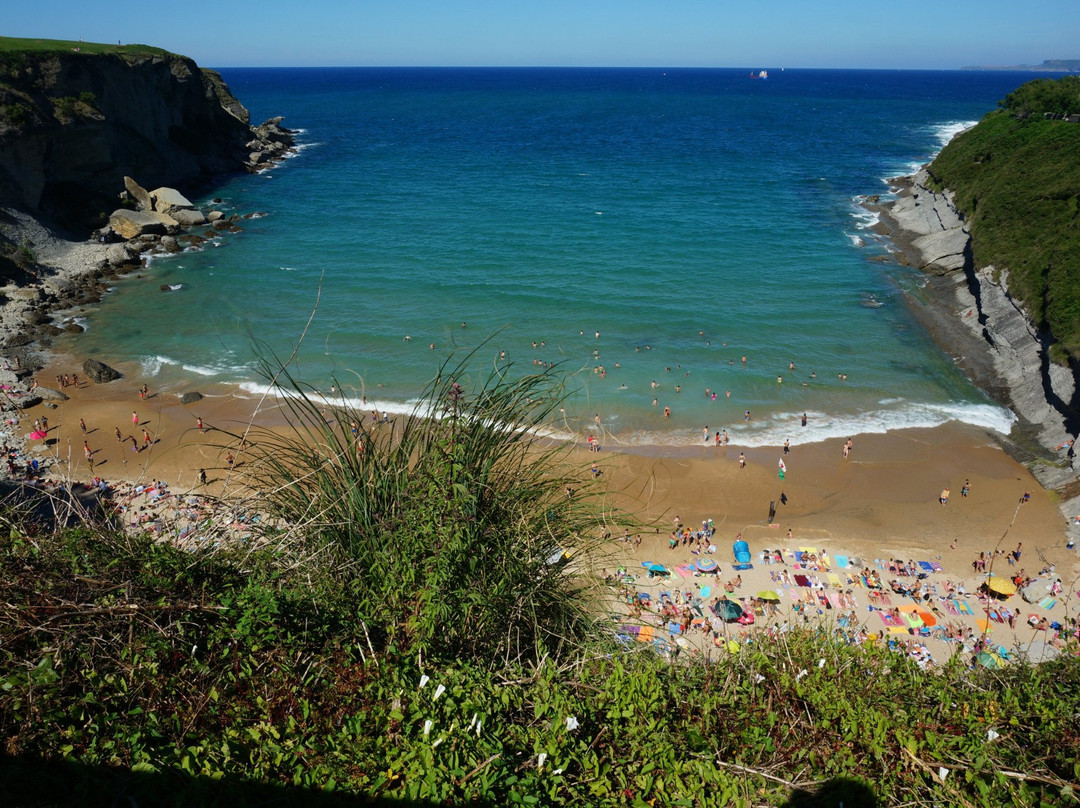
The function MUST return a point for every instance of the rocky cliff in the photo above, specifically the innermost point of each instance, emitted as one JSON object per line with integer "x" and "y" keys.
{"x": 988, "y": 330}
{"x": 73, "y": 124}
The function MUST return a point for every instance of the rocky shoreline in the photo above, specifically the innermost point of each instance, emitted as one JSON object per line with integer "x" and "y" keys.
{"x": 971, "y": 315}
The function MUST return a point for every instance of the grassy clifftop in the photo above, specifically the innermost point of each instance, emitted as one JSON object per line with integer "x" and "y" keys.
{"x": 16, "y": 45}
{"x": 1016, "y": 176}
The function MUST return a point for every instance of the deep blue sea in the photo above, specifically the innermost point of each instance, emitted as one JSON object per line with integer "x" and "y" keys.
{"x": 660, "y": 225}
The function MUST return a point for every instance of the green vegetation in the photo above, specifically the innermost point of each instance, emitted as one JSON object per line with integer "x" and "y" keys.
{"x": 13, "y": 46}
{"x": 1016, "y": 176}
{"x": 413, "y": 637}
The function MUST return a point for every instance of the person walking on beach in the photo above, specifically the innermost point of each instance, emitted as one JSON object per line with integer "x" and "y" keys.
{"x": 82, "y": 425}
{"x": 787, "y": 446}
{"x": 705, "y": 435}
{"x": 134, "y": 417}
{"x": 199, "y": 424}
{"x": 89, "y": 455}
{"x": 944, "y": 498}
{"x": 202, "y": 476}
{"x": 119, "y": 437}
{"x": 45, "y": 423}
{"x": 742, "y": 460}
{"x": 965, "y": 489}
{"x": 146, "y": 439}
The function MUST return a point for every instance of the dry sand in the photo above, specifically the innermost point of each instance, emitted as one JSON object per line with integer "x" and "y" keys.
{"x": 880, "y": 502}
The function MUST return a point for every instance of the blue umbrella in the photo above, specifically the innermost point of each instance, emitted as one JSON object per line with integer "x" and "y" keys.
{"x": 706, "y": 565}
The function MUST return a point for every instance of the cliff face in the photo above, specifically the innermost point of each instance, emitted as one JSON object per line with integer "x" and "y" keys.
{"x": 988, "y": 330}
{"x": 72, "y": 125}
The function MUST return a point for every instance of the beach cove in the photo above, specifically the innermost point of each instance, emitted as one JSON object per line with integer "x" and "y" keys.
{"x": 917, "y": 425}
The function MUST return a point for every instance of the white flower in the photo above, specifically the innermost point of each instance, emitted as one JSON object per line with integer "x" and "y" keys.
{"x": 540, "y": 760}
{"x": 801, "y": 674}
{"x": 479, "y": 724}
{"x": 942, "y": 772}
{"x": 438, "y": 692}
{"x": 572, "y": 724}
{"x": 557, "y": 771}
{"x": 991, "y": 735}
{"x": 821, "y": 662}
{"x": 759, "y": 678}
{"x": 424, "y": 680}
{"x": 427, "y": 727}
{"x": 437, "y": 742}
{"x": 472, "y": 723}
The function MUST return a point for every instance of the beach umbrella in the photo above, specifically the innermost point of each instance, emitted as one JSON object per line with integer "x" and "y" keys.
{"x": 728, "y": 610}
{"x": 988, "y": 659}
{"x": 38, "y": 434}
{"x": 768, "y": 594}
{"x": 1001, "y": 586}
{"x": 706, "y": 565}
{"x": 657, "y": 569}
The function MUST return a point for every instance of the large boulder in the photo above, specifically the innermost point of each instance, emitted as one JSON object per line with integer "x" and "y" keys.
{"x": 99, "y": 372}
{"x": 188, "y": 218}
{"x": 48, "y": 394}
{"x": 26, "y": 402}
{"x": 138, "y": 193}
{"x": 168, "y": 199}
{"x": 191, "y": 397}
{"x": 129, "y": 224}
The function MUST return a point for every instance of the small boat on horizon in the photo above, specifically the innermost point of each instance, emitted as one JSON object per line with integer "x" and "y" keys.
{"x": 764, "y": 74}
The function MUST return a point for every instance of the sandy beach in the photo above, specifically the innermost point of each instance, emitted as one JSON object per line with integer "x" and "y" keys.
{"x": 879, "y": 504}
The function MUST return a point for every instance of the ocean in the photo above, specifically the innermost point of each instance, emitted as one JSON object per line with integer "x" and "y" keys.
{"x": 687, "y": 239}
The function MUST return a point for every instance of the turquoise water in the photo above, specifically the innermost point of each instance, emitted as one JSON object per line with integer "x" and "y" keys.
{"x": 690, "y": 217}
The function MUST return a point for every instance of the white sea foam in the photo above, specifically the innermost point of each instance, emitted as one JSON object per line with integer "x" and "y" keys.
{"x": 865, "y": 219}
{"x": 947, "y": 131}
{"x": 825, "y": 426}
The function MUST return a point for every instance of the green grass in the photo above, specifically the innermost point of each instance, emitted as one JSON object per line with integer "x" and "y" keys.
{"x": 15, "y": 45}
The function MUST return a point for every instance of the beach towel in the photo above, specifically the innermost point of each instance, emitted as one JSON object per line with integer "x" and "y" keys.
{"x": 950, "y": 606}
{"x": 964, "y": 607}
{"x": 842, "y": 622}
{"x": 936, "y": 567}
{"x": 795, "y": 595}
{"x": 927, "y": 618}
{"x": 674, "y": 628}
{"x": 897, "y": 630}
{"x": 684, "y": 570}
{"x": 1047, "y": 603}
{"x": 706, "y": 591}
{"x": 911, "y": 619}
{"x": 802, "y": 580}
{"x": 834, "y": 579}
{"x": 646, "y": 634}
{"x": 926, "y": 566}
{"x": 697, "y": 622}
{"x": 889, "y": 619}
{"x": 983, "y": 624}
{"x": 742, "y": 566}
{"x": 800, "y": 556}
{"x": 842, "y": 561}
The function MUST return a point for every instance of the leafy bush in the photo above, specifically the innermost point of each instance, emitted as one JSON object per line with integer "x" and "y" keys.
{"x": 1044, "y": 97}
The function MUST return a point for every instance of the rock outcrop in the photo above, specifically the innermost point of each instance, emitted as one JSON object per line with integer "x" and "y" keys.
{"x": 76, "y": 123}
{"x": 99, "y": 372}
{"x": 1016, "y": 366}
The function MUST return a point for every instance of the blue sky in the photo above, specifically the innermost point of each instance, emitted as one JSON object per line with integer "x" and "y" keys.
{"x": 668, "y": 33}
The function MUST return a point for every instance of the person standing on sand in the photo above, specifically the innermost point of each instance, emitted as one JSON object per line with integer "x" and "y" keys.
{"x": 202, "y": 476}
{"x": 742, "y": 460}
{"x": 965, "y": 489}
{"x": 82, "y": 425}
{"x": 199, "y": 424}
{"x": 944, "y": 498}
{"x": 134, "y": 417}
{"x": 119, "y": 437}
{"x": 146, "y": 438}
{"x": 787, "y": 446}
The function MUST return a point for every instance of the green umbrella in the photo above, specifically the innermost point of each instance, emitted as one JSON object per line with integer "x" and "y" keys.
{"x": 728, "y": 610}
{"x": 988, "y": 660}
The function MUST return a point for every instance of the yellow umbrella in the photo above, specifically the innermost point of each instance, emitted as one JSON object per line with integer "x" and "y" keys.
{"x": 1002, "y": 586}
{"x": 768, "y": 594}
